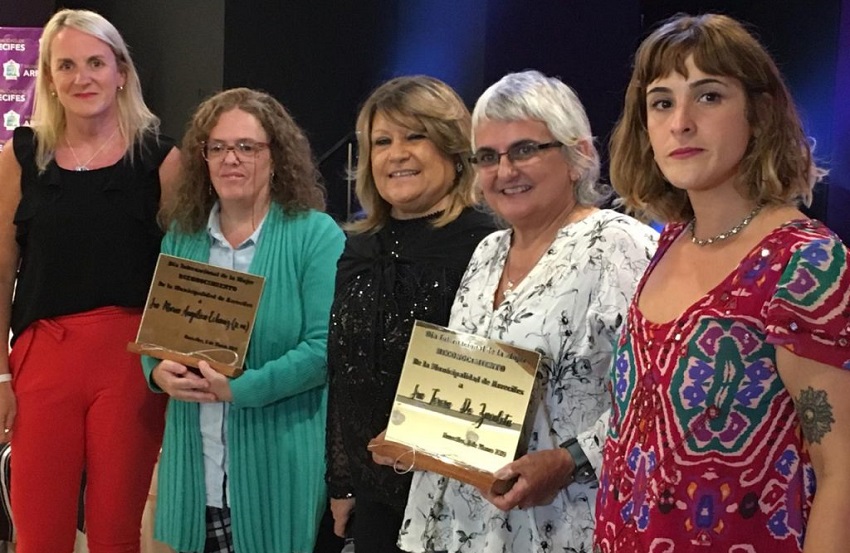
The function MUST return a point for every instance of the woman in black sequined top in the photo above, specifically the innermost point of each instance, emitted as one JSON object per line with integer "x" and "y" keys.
{"x": 402, "y": 262}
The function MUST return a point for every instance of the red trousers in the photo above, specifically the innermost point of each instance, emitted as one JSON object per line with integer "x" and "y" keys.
{"x": 83, "y": 403}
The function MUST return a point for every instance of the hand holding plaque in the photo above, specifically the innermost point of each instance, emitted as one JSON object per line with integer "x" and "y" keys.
{"x": 461, "y": 405}
{"x": 199, "y": 312}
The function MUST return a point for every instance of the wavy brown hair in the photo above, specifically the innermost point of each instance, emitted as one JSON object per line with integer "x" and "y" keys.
{"x": 777, "y": 167}
{"x": 426, "y": 105}
{"x": 295, "y": 183}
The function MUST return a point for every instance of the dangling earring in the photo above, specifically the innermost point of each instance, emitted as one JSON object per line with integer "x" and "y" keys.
{"x": 459, "y": 168}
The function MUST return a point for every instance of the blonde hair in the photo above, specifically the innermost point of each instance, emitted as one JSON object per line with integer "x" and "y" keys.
{"x": 295, "y": 179}
{"x": 427, "y": 105}
{"x": 777, "y": 167}
{"x": 134, "y": 117}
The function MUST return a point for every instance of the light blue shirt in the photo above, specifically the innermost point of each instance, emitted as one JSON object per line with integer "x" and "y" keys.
{"x": 214, "y": 415}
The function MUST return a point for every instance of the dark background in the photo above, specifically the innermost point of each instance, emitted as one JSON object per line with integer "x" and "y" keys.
{"x": 322, "y": 58}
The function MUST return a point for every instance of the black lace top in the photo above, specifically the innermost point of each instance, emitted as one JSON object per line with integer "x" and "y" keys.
{"x": 407, "y": 270}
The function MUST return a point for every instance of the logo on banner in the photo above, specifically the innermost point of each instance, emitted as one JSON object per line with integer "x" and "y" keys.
{"x": 11, "y": 120}
{"x": 11, "y": 70}
{"x": 19, "y": 66}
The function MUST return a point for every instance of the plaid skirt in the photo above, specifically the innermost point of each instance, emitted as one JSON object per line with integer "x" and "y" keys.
{"x": 219, "y": 534}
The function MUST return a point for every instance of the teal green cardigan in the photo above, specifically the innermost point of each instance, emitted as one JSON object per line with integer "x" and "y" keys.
{"x": 276, "y": 425}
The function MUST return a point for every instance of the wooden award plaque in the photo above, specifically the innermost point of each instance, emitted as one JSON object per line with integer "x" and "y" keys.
{"x": 199, "y": 312}
{"x": 461, "y": 405}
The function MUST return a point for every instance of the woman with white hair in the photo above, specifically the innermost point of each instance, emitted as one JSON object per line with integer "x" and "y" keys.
{"x": 557, "y": 281}
{"x": 79, "y": 193}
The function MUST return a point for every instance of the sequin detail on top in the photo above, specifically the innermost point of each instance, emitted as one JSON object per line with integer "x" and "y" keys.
{"x": 704, "y": 450}
{"x": 407, "y": 270}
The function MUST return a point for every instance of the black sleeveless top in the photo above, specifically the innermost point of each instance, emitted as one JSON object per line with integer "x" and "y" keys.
{"x": 87, "y": 239}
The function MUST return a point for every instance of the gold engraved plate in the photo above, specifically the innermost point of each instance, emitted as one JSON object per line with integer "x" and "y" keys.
{"x": 462, "y": 400}
{"x": 199, "y": 312}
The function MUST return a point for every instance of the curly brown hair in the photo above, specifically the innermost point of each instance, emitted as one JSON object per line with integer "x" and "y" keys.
{"x": 777, "y": 167}
{"x": 295, "y": 183}
{"x": 427, "y": 105}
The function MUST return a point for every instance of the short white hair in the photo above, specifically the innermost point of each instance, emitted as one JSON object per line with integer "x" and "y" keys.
{"x": 532, "y": 95}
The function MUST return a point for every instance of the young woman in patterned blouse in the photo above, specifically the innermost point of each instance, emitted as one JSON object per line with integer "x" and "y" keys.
{"x": 730, "y": 430}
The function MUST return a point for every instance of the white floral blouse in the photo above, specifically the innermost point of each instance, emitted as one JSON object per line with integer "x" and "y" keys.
{"x": 569, "y": 308}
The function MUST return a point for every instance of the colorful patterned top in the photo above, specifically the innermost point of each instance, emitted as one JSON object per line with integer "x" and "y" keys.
{"x": 704, "y": 449}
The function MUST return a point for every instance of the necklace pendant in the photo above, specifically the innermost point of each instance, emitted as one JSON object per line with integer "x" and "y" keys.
{"x": 509, "y": 286}
{"x": 80, "y": 166}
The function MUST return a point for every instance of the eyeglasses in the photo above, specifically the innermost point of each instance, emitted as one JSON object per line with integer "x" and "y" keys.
{"x": 487, "y": 158}
{"x": 245, "y": 150}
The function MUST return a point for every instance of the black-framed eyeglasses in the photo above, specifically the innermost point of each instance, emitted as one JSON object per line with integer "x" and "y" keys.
{"x": 245, "y": 150}
{"x": 517, "y": 153}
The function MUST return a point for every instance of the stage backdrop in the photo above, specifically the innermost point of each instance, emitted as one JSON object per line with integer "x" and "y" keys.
{"x": 19, "y": 62}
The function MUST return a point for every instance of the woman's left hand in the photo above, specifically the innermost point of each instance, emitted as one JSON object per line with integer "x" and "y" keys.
{"x": 540, "y": 476}
{"x": 375, "y": 447}
{"x": 400, "y": 465}
{"x": 219, "y": 384}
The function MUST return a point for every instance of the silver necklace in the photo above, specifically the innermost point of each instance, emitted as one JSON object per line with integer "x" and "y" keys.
{"x": 85, "y": 166}
{"x": 723, "y": 235}
{"x": 509, "y": 284}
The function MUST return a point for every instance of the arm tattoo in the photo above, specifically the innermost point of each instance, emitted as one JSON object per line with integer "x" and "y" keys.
{"x": 815, "y": 414}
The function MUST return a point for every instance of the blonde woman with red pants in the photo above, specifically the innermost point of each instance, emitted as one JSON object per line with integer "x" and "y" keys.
{"x": 79, "y": 192}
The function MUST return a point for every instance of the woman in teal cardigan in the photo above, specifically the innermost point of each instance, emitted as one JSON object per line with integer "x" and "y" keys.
{"x": 242, "y": 465}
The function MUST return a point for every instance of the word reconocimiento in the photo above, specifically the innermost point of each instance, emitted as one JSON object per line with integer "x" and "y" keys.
{"x": 472, "y": 346}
